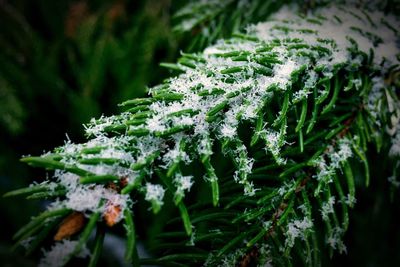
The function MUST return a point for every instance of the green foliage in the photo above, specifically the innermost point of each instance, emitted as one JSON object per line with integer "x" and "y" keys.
{"x": 276, "y": 126}
{"x": 204, "y": 22}
{"x": 84, "y": 60}
{"x": 207, "y": 21}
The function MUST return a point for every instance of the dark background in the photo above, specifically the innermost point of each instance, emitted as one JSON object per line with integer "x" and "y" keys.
{"x": 64, "y": 62}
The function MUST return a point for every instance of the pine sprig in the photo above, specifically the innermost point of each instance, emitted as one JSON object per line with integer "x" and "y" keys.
{"x": 280, "y": 165}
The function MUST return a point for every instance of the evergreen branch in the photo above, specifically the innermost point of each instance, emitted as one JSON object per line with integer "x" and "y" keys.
{"x": 240, "y": 116}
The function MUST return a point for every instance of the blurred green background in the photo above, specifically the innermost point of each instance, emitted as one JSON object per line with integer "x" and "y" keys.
{"x": 64, "y": 62}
